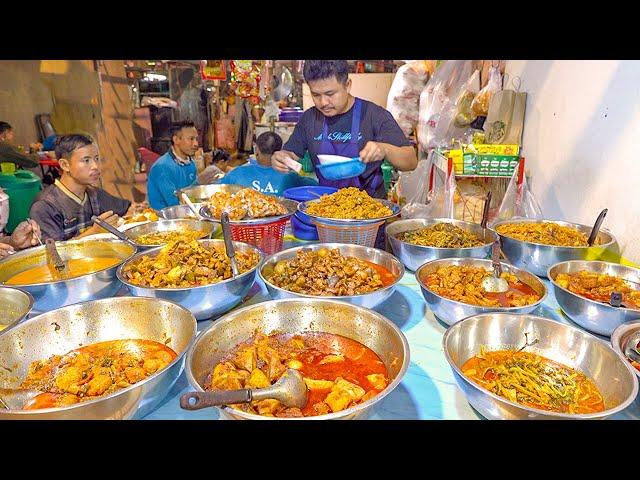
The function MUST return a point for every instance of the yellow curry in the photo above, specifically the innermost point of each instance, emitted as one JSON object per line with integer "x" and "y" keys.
{"x": 76, "y": 267}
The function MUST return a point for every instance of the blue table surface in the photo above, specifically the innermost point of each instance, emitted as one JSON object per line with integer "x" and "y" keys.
{"x": 428, "y": 390}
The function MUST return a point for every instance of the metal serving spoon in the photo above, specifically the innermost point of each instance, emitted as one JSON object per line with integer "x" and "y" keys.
{"x": 290, "y": 390}
{"x": 115, "y": 231}
{"x": 228, "y": 243}
{"x": 191, "y": 206}
{"x": 596, "y": 227}
{"x": 494, "y": 283}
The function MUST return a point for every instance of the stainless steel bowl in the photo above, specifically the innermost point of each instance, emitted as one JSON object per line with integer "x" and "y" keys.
{"x": 621, "y": 335}
{"x": 296, "y": 316}
{"x": 372, "y": 255}
{"x": 415, "y": 255}
{"x": 451, "y": 311}
{"x": 179, "y": 211}
{"x": 202, "y": 193}
{"x": 595, "y": 316}
{"x": 290, "y": 205}
{"x": 537, "y": 258}
{"x": 55, "y": 294}
{"x": 341, "y": 222}
{"x": 60, "y": 331}
{"x": 15, "y": 305}
{"x": 209, "y": 229}
{"x": 562, "y": 343}
{"x": 205, "y": 301}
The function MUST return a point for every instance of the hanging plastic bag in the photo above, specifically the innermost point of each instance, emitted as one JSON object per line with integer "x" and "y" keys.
{"x": 464, "y": 115}
{"x": 440, "y": 188}
{"x": 437, "y": 103}
{"x": 404, "y": 95}
{"x": 480, "y": 104}
{"x": 518, "y": 201}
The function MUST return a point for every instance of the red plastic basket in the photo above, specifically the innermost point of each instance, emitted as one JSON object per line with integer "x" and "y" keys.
{"x": 268, "y": 237}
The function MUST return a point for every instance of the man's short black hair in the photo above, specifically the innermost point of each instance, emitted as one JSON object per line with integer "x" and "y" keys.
{"x": 5, "y": 127}
{"x": 321, "y": 69}
{"x": 269, "y": 142}
{"x": 66, "y": 144}
{"x": 177, "y": 126}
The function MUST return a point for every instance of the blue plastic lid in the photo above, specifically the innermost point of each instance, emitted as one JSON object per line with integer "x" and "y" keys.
{"x": 343, "y": 170}
{"x": 308, "y": 192}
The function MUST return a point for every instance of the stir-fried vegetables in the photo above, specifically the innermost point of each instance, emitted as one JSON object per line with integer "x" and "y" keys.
{"x": 182, "y": 264}
{"x": 534, "y": 381}
{"x": 160, "y": 238}
{"x": 441, "y": 235}
{"x": 545, "y": 233}
{"x": 348, "y": 203}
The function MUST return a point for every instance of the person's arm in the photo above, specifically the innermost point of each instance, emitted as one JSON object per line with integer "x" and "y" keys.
{"x": 25, "y": 235}
{"x": 389, "y": 142}
{"x": 9, "y": 153}
{"x": 295, "y": 147}
{"x": 402, "y": 158}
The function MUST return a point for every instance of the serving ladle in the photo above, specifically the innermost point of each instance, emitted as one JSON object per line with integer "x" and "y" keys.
{"x": 115, "y": 231}
{"x": 228, "y": 243}
{"x": 191, "y": 206}
{"x": 596, "y": 227}
{"x": 290, "y": 390}
{"x": 495, "y": 283}
{"x": 59, "y": 264}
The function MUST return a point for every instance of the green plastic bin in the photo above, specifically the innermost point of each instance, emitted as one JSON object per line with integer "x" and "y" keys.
{"x": 22, "y": 187}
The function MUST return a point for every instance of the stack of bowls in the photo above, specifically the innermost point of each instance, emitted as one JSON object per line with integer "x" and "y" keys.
{"x": 302, "y": 226}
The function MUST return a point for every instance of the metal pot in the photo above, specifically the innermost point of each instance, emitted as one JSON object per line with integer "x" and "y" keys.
{"x": 538, "y": 258}
{"x": 92, "y": 286}
{"x": 204, "y": 301}
{"x": 451, "y": 311}
{"x": 296, "y": 316}
{"x": 372, "y": 255}
{"x": 562, "y": 343}
{"x": 413, "y": 256}
{"x": 60, "y": 331}
{"x": 15, "y": 305}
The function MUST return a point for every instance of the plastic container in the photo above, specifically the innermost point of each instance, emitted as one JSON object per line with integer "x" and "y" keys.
{"x": 22, "y": 189}
{"x": 302, "y": 226}
{"x": 341, "y": 171}
{"x": 307, "y": 164}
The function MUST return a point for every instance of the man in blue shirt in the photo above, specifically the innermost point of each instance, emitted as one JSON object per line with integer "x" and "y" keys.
{"x": 176, "y": 169}
{"x": 262, "y": 176}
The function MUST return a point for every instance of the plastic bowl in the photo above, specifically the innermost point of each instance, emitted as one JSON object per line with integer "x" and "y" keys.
{"x": 341, "y": 171}
{"x": 331, "y": 159}
{"x": 302, "y": 230}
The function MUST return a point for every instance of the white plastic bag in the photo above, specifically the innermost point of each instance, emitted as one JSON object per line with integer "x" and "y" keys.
{"x": 518, "y": 201}
{"x": 480, "y": 104}
{"x": 434, "y": 202}
{"x": 404, "y": 95}
{"x": 437, "y": 103}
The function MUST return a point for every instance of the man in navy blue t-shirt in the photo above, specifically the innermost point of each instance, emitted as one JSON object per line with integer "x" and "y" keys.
{"x": 261, "y": 176}
{"x": 341, "y": 124}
